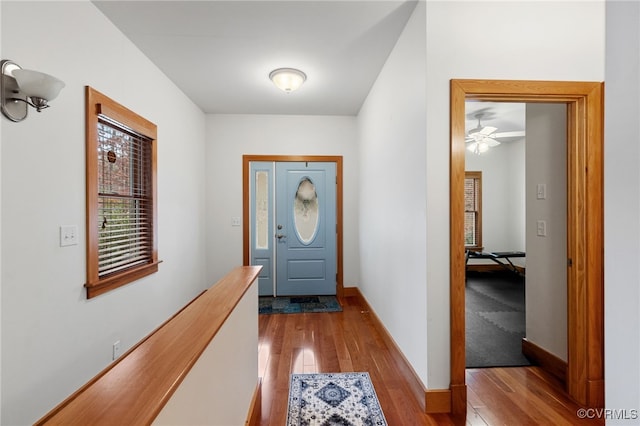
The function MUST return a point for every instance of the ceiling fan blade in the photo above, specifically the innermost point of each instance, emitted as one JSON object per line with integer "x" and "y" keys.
{"x": 480, "y": 132}
{"x": 491, "y": 142}
{"x": 487, "y": 130}
{"x": 514, "y": 134}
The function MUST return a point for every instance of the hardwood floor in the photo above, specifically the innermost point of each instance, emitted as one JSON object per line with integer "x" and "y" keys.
{"x": 349, "y": 341}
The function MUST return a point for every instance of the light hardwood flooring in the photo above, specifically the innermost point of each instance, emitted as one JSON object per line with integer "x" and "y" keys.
{"x": 349, "y": 341}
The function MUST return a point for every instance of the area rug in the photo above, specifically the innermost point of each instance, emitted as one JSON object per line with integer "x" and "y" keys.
{"x": 344, "y": 399}
{"x": 495, "y": 320}
{"x": 297, "y": 304}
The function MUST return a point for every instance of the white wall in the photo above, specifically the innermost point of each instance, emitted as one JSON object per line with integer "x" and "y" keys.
{"x": 53, "y": 339}
{"x": 533, "y": 40}
{"x": 516, "y": 229}
{"x": 229, "y": 137}
{"x": 391, "y": 138}
{"x": 622, "y": 208}
{"x": 218, "y": 389}
{"x": 546, "y": 278}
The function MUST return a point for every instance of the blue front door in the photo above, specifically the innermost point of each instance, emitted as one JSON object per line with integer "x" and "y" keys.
{"x": 293, "y": 227}
{"x": 306, "y": 228}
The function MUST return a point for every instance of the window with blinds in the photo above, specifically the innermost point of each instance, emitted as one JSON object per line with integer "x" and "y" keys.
{"x": 473, "y": 210}
{"x": 121, "y": 201}
{"x": 125, "y": 207}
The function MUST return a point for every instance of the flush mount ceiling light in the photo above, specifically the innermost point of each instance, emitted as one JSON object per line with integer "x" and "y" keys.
{"x": 287, "y": 79}
{"x": 21, "y": 88}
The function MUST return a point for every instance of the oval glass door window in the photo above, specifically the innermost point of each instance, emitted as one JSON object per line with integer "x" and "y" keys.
{"x": 305, "y": 211}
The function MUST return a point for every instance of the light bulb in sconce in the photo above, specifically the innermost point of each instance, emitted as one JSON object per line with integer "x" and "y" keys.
{"x": 22, "y": 88}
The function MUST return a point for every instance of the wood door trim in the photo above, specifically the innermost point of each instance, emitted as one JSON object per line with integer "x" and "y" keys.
{"x": 246, "y": 161}
{"x": 585, "y": 282}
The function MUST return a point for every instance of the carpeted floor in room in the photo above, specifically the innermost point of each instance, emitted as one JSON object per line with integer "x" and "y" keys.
{"x": 495, "y": 319}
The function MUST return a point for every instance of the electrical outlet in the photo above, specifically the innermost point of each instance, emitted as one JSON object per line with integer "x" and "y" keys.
{"x": 235, "y": 221}
{"x": 542, "y": 228}
{"x": 116, "y": 350}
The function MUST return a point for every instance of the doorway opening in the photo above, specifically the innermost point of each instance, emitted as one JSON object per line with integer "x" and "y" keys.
{"x": 495, "y": 237}
{"x": 515, "y": 222}
{"x": 307, "y": 237}
{"x": 585, "y": 341}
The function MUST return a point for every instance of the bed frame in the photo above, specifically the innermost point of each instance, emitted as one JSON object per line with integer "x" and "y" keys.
{"x": 497, "y": 257}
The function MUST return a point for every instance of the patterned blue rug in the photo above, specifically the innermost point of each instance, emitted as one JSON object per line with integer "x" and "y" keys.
{"x": 297, "y": 304}
{"x": 342, "y": 399}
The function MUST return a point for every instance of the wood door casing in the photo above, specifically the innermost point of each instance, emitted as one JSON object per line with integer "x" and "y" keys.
{"x": 585, "y": 282}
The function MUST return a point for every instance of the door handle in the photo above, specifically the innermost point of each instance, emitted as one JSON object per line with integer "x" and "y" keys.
{"x": 280, "y": 236}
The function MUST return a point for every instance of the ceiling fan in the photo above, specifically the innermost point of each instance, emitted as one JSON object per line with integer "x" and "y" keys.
{"x": 481, "y": 138}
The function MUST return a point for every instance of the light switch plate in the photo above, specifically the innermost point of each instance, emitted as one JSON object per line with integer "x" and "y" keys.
{"x": 68, "y": 235}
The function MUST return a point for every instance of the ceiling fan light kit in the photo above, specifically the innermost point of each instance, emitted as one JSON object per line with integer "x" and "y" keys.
{"x": 481, "y": 138}
{"x": 481, "y": 146}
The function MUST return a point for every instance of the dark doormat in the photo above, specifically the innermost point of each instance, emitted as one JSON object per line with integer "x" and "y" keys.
{"x": 297, "y": 304}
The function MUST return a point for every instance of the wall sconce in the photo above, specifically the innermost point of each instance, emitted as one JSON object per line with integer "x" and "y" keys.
{"x": 287, "y": 79}
{"x": 21, "y": 88}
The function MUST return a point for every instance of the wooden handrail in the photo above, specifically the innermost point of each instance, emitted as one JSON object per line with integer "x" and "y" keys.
{"x": 134, "y": 389}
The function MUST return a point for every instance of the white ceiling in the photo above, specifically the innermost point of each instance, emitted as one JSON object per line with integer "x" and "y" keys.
{"x": 506, "y": 116}
{"x": 220, "y": 53}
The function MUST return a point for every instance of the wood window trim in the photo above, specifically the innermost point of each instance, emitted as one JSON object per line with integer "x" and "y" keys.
{"x": 97, "y": 104}
{"x": 478, "y": 176}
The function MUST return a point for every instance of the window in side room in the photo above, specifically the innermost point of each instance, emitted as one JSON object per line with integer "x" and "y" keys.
{"x": 473, "y": 210}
